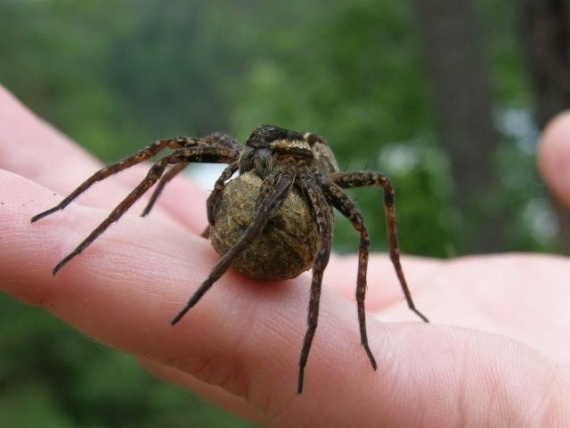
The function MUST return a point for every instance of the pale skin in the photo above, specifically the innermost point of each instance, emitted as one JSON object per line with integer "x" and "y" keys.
{"x": 497, "y": 352}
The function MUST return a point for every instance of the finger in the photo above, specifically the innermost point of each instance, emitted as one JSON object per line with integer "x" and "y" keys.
{"x": 504, "y": 300}
{"x": 243, "y": 336}
{"x": 554, "y": 157}
{"x": 32, "y": 148}
{"x": 232, "y": 403}
{"x": 521, "y": 296}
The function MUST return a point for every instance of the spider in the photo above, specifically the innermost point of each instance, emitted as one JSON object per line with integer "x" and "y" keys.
{"x": 277, "y": 167}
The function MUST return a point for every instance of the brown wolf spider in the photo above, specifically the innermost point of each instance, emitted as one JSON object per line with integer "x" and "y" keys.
{"x": 281, "y": 165}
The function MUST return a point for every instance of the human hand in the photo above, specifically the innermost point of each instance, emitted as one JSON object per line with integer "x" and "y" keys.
{"x": 495, "y": 354}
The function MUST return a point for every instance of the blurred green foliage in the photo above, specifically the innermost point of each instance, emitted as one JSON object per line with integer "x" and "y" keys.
{"x": 117, "y": 75}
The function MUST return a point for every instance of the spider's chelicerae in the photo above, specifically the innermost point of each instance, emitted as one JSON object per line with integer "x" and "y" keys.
{"x": 274, "y": 221}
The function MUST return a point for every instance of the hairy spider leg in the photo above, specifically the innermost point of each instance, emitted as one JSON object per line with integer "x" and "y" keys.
{"x": 340, "y": 200}
{"x": 172, "y": 172}
{"x": 193, "y": 153}
{"x": 212, "y": 202}
{"x": 222, "y": 141}
{"x": 348, "y": 180}
{"x": 272, "y": 194}
{"x": 217, "y": 192}
{"x": 324, "y": 222}
{"x": 142, "y": 155}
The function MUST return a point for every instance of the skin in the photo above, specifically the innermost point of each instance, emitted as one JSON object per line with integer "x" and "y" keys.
{"x": 495, "y": 354}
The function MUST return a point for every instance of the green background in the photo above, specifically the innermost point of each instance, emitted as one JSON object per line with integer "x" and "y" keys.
{"x": 117, "y": 75}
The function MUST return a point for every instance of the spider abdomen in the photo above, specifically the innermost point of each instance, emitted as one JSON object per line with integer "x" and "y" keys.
{"x": 286, "y": 247}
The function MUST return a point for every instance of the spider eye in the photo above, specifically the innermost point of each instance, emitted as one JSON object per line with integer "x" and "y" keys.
{"x": 311, "y": 138}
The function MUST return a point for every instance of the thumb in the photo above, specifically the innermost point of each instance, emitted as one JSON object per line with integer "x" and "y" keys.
{"x": 554, "y": 157}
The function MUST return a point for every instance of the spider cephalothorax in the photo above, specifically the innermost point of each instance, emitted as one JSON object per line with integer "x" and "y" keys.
{"x": 274, "y": 221}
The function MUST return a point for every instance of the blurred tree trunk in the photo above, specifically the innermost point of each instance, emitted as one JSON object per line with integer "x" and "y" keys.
{"x": 464, "y": 108}
{"x": 545, "y": 30}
